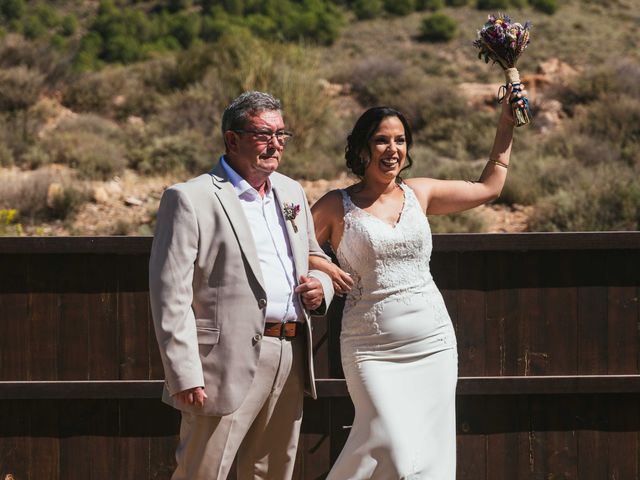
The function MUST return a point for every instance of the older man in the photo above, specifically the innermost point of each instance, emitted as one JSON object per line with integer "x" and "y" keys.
{"x": 230, "y": 294}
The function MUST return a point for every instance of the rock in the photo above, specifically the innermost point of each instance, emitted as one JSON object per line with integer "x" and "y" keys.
{"x": 100, "y": 194}
{"x": 334, "y": 89}
{"x": 55, "y": 190}
{"x": 135, "y": 121}
{"x": 114, "y": 187}
{"x": 556, "y": 70}
{"x": 133, "y": 202}
{"x": 479, "y": 94}
{"x": 119, "y": 100}
{"x": 549, "y": 115}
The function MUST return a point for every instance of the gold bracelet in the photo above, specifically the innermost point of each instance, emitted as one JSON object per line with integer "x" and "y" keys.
{"x": 499, "y": 163}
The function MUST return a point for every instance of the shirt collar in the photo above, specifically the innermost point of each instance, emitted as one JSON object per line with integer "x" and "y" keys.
{"x": 240, "y": 185}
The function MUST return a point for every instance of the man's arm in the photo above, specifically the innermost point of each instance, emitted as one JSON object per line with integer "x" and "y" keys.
{"x": 171, "y": 267}
{"x": 315, "y": 250}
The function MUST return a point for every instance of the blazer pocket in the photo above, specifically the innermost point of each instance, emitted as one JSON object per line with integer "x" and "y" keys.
{"x": 208, "y": 335}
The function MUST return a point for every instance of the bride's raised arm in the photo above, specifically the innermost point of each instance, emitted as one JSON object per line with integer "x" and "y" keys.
{"x": 450, "y": 196}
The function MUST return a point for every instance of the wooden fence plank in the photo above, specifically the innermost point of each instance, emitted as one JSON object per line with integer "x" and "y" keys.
{"x": 560, "y": 304}
{"x": 43, "y": 319}
{"x": 134, "y": 336}
{"x": 624, "y": 319}
{"x": 502, "y": 345}
{"x": 75, "y": 316}
{"x": 44, "y": 444}
{"x": 470, "y": 310}
{"x": 103, "y": 324}
{"x": 592, "y": 438}
{"x": 15, "y": 440}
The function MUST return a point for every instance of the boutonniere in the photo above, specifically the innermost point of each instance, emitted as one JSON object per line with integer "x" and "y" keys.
{"x": 291, "y": 211}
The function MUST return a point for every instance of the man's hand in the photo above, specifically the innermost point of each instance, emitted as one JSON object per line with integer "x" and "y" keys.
{"x": 193, "y": 396}
{"x": 310, "y": 289}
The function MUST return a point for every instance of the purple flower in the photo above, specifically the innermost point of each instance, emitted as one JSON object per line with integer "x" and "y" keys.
{"x": 290, "y": 212}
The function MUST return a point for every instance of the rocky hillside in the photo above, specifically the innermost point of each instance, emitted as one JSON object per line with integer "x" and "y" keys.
{"x": 89, "y": 139}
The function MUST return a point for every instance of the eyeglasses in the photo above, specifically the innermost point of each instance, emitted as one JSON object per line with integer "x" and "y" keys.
{"x": 265, "y": 136}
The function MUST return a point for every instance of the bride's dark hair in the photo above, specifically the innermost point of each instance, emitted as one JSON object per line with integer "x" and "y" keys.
{"x": 363, "y": 130}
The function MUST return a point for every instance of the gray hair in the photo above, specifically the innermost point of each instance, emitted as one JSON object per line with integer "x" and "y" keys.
{"x": 248, "y": 103}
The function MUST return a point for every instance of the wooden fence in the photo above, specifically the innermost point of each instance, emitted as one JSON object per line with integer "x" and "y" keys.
{"x": 548, "y": 342}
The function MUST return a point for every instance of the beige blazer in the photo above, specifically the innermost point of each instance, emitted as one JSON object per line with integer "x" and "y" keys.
{"x": 207, "y": 292}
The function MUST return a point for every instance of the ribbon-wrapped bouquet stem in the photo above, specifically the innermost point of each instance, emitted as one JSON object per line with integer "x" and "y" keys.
{"x": 503, "y": 41}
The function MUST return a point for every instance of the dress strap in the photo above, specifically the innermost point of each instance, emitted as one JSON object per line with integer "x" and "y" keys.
{"x": 410, "y": 196}
{"x": 347, "y": 204}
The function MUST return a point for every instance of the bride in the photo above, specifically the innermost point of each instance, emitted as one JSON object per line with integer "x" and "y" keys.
{"x": 398, "y": 343}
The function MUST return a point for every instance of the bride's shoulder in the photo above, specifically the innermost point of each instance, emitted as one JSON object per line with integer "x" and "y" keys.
{"x": 329, "y": 202}
{"x": 421, "y": 187}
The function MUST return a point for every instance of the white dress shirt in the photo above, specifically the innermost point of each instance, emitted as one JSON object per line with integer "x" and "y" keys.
{"x": 269, "y": 231}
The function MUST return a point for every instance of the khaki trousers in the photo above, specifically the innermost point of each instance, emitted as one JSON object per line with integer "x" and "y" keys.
{"x": 263, "y": 432}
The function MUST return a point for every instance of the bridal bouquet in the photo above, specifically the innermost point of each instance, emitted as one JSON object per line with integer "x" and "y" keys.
{"x": 503, "y": 41}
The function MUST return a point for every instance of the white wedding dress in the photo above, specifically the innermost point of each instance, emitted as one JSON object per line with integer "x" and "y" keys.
{"x": 398, "y": 351}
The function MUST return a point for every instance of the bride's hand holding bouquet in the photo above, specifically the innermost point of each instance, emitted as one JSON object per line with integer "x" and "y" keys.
{"x": 503, "y": 41}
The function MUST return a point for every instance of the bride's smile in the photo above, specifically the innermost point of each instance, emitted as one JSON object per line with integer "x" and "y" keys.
{"x": 388, "y": 147}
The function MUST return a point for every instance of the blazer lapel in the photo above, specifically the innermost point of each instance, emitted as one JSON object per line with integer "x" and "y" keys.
{"x": 299, "y": 259}
{"x": 229, "y": 200}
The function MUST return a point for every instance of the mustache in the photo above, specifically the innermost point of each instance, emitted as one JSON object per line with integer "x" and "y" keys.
{"x": 271, "y": 152}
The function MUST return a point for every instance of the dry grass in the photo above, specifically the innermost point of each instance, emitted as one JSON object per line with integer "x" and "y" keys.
{"x": 26, "y": 192}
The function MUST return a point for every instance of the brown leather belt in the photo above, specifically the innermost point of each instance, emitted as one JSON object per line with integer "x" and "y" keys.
{"x": 287, "y": 330}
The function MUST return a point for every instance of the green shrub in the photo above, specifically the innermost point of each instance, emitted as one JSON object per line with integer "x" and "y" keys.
{"x": 186, "y": 152}
{"x": 178, "y": 5}
{"x": 94, "y": 157}
{"x": 185, "y": 28}
{"x": 611, "y": 203}
{"x": 378, "y": 80}
{"x": 122, "y": 227}
{"x": 400, "y": 7}
{"x": 90, "y": 144}
{"x": 38, "y": 57}
{"x": 115, "y": 92}
{"x": 546, "y": 6}
{"x": 122, "y": 49}
{"x": 47, "y": 15}
{"x": 314, "y": 20}
{"x": 65, "y": 203}
{"x": 69, "y": 25}
{"x": 365, "y": 9}
{"x": 197, "y": 108}
{"x": 35, "y": 157}
{"x": 20, "y": 88}
{"x": 429, "y": 5}
{"x": 57, "y": 41}
{"x": 618, "y": 77}
{"x": 438, "y": 27}
{"x": 465, "y": 222}
{"x": 534, "y": 176}
{"x": 26, "y": 193}
{"x": 12, "y": 9}
{"x": 32, "y": 27}
{"x": 492, "y": 4}
{"x": 234, "y": 7}
{"x": 6, "y": 156}
{"x": 457, "y": 3}
{"x": 605, "y": 130}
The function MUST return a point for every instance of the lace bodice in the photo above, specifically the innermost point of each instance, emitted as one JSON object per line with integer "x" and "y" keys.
{"x": 386, "y": 262}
